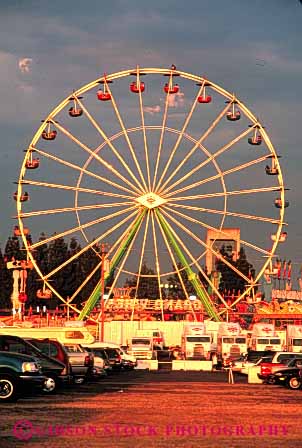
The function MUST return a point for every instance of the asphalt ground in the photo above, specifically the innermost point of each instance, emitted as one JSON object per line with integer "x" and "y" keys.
{"x": 157, "y": 409}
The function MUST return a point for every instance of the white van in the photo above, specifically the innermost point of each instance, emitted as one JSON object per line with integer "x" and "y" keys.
{"x": 65, "y": 335}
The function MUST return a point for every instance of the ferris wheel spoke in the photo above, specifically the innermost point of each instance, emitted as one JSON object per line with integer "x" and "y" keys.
{"x": 92, "y": 154}
{"x": 72, "y": 209}
{"x": 210, "y": 248}
{"x": 90, "y": 245}
{"x": 180, "y": 136}
{"x": 216, "y": 229}
{"x": 125, "y": 253}
{"x": 211, "y": 158}
{"x": 81, "y": 227}
{"x": 179, "y": 246}
{"x": 139, "y": 187}
{"x": 219, "y": 175}
{"x": 174, "y": 263}
{"x": 144, "y": 129}
{"x": 87, "y": 172}
{"x": 125, "y": 132}
{"x": 198, "y": 144}
{"x": 141, "y": 262}
{"x": 157, "y": 264}
{"x": 160, "y": 146}
{"x": 84, "y": 283}
{"x": 72, "y": 188}
{"x": 226, "y": 193}
{"x": 227, "y": 213}
{"x": 112, "y": 250}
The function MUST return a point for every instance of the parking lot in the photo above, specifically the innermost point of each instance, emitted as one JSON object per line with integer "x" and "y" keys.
{"x": 157, "y": 409}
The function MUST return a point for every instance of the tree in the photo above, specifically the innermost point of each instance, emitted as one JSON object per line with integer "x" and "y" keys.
{"x": 230, "y": 281}
{"x": 5, "y": 284}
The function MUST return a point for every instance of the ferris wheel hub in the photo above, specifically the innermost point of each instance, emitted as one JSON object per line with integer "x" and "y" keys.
{"x": 151, "y": 200}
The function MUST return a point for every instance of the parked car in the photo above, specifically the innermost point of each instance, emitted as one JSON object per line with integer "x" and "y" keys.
{"x": 53, "y": 370}
{"x": 18, "y": 373}
{"x": 101, "y": 354}
{"x": 77, "y": 372}
{"x": 112, "y": 355}
{"x": 82, "y": 362}
{"x": 289, "y": 375}
{"x": 250, "y": 359}
{"x": 273, "y": 363}
{"x": 128, "y": 361}
{"x": 54, "y": 349}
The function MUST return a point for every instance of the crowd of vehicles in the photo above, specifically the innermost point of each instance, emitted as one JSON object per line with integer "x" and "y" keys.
{"x": 50, "y": 358}
{"x": 46, "y": 364}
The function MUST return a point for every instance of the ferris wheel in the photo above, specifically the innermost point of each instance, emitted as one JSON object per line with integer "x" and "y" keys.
{"x": 151, "y": 161}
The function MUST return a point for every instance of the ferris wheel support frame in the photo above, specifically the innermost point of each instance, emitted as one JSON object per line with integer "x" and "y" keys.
{"x": 96, "y": 293}
{"x": 192, "y": 277}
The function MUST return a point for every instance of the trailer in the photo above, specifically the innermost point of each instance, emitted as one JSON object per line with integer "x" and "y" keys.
{"x": 231, "y": 341}
{"x": 294, "y": 338}
{"x": 195, "y": 343}
{"x": 264, "y": 337}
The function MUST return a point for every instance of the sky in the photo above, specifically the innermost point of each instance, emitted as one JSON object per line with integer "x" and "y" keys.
{"x": 252, "y": 48}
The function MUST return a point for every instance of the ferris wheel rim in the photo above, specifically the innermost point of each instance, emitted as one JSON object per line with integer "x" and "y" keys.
{"x": 119, "y": 75}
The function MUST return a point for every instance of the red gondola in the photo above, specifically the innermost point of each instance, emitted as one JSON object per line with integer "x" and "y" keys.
{"x": 32, "y": 164}
{"x": 49, "y": 135}
{"x": 23, "y": 198}
{"x": 17, "y": 231}
{"x": 22, "y": 297}
{"x": 233, "y": 116}
{"x": 103, "y": 96}
{"x": 282, "y": 237}
{"x": 271, "y": 171}
{"x": 204, "y": 99}
{"x": 44, "y": 294}
{"x": 135, "y": 88}
{"x": 255, "y": 140}
{"x": 278, "y": 203}
{"x": 75, "y": 111}
{"x": 172, "y": 89}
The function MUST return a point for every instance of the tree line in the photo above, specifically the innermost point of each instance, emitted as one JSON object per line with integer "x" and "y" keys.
{"x": 67, "y": 280}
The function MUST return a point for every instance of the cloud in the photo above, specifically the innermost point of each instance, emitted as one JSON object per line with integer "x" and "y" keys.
{"x": 24, "y": 65}
{"x": 152, "y": 109}
{"x": 176, "y": 100}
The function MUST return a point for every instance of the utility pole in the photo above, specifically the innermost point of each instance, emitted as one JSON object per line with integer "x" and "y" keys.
{"x": 102, "y": 292}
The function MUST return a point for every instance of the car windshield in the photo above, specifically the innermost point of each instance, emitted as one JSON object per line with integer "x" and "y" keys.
{"x": 112, "y": 352}
{"x": 100, "y": 353}
{"x": 228, "y": 340}
{"x": 265, "y": 359}
{"x": 198, "y": 339}
{"x": 274, "y": 341}
{"x": 240, "y": 340}
{"x": 140, "y": 341}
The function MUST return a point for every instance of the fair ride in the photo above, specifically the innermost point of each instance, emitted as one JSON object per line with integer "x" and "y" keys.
{"x": 148, "y": 161}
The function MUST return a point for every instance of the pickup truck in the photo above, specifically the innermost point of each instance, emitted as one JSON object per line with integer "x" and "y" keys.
{"x": 18, "y": 372}
{"x": 275, "y": 362}
{"x": 81, "y": 361}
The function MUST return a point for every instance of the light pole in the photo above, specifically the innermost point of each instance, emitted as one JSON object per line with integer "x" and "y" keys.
{"x": 102, "y": 292}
